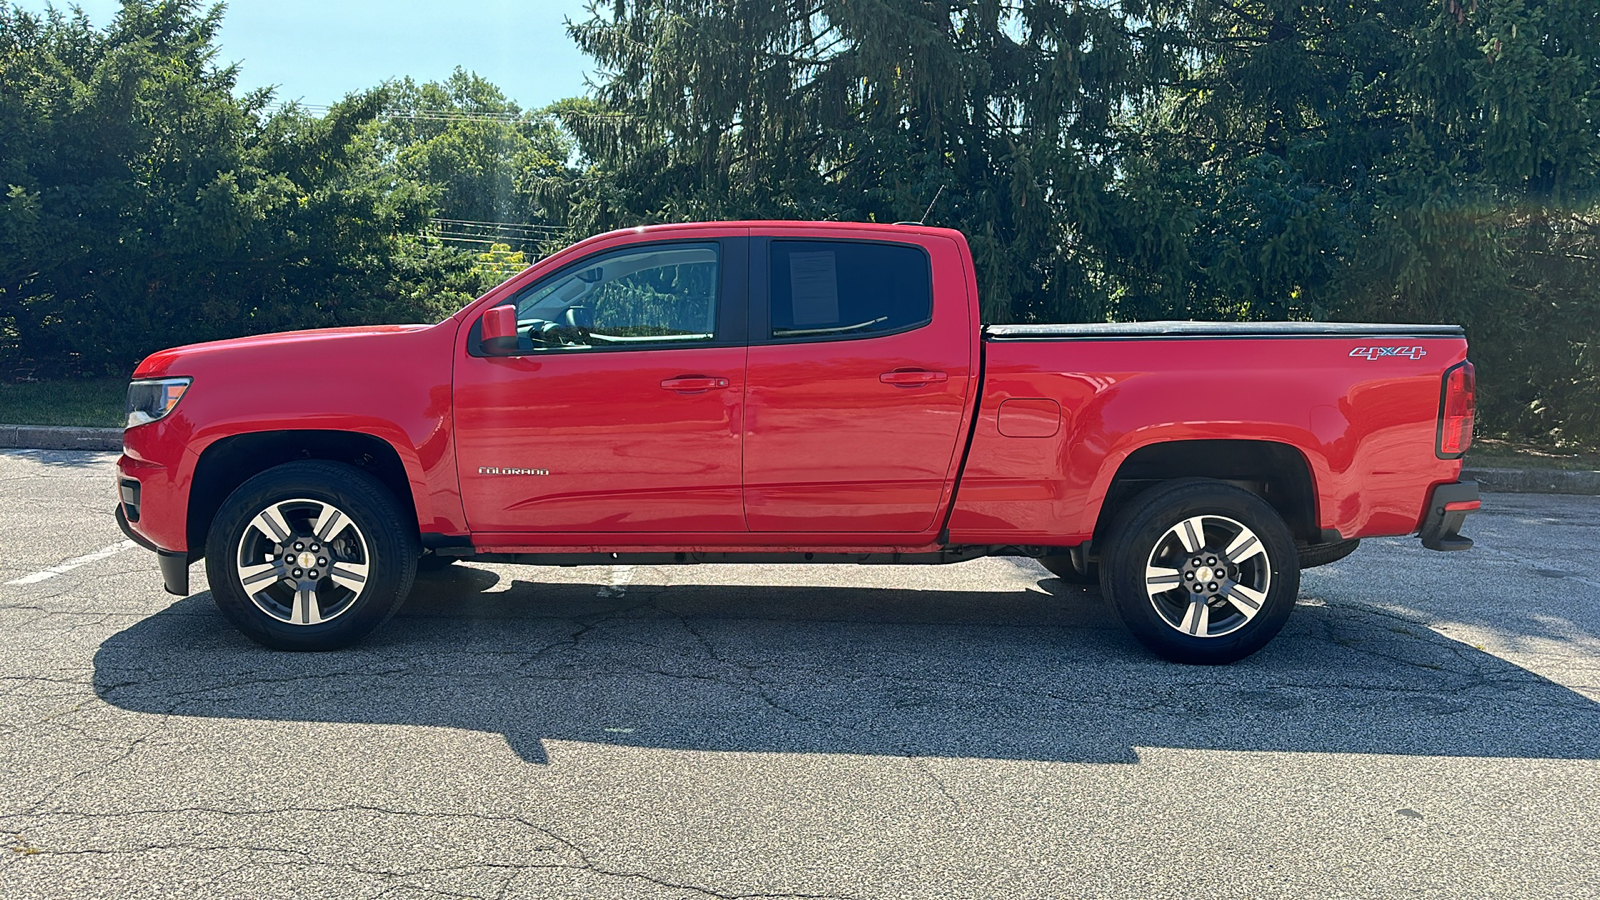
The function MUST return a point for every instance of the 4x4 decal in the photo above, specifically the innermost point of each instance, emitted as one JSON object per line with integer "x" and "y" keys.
{"x": 1381, "y": 352}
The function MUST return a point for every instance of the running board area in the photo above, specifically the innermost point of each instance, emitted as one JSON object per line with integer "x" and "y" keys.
{"x": 951, "y": 554}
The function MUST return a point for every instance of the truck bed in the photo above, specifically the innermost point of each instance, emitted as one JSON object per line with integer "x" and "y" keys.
{"x": 1353, "y": 408}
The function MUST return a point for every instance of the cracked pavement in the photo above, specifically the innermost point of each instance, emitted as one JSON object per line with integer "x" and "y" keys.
{"x": 1427, "y": 724}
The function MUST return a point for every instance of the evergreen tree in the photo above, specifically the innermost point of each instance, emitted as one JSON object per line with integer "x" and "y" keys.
{"x": 865, "y": 110}
{"x": 1357, "y": 159}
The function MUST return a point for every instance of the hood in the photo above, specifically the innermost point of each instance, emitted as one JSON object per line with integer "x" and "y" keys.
{"x": 174, "y": 360}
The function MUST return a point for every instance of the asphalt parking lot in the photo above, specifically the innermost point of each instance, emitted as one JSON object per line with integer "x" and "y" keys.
{"x": 1428, "y": 724}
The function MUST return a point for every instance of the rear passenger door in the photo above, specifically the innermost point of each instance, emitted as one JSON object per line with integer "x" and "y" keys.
{"x": 856, "y": 382}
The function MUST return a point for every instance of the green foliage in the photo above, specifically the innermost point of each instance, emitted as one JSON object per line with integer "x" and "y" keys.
{"x": 478, "y": 154}
{"x": 865, "y": 111}
{"x": 1450, "y": 160}
{"x": 662, "y": 300}
{"x": 500, "y": 262}
{"x": 145, "y": 206}
{"x": 1387, "y": 160}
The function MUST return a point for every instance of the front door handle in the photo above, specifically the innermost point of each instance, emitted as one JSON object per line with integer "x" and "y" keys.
{"x": 911, "y": 378}
{"x": 693, "y": 384}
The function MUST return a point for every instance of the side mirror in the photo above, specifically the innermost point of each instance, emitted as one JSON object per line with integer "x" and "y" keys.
{"x": 499, "y": 336}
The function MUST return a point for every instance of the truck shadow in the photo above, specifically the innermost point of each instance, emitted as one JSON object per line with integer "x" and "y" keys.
{"x": 63, "y": 459}
{"x": 1025, "y": 675}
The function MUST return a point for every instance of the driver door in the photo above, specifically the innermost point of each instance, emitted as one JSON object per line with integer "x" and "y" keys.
{"x": 622, "y": 410}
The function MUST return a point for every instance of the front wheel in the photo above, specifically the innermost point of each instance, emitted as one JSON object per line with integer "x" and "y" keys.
{"x": 310, "y": 555}
{"x": 1201, "y": 571}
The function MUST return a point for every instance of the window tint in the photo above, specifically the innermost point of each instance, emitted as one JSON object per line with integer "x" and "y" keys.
{"x": 655, "y": 294}
{"x": 841, "y": 289}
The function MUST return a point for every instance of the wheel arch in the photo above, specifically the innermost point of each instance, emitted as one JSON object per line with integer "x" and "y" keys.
{"x": 229, "y": 462}
{"x": 1278, "y": 472}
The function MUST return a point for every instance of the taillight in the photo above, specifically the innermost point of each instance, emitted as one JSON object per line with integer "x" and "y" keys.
{"x": 1457, "y": 404}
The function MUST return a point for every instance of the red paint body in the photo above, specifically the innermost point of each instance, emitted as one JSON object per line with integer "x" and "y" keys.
{"x": 832, "y": 445}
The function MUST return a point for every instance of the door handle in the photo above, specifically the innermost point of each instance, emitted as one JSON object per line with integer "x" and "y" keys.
{"x": 911, "y": 378}
{"x": 693, "y": 384}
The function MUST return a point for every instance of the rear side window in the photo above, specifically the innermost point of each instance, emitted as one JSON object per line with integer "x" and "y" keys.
{"x": 841, "y": 289}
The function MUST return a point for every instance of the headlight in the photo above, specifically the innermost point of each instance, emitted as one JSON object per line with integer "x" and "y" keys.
{"x": 153, "y": 399}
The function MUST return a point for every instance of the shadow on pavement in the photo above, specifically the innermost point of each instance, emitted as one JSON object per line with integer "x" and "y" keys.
{"x": 63, "y": 459}
{"x": 1020, "y": 675}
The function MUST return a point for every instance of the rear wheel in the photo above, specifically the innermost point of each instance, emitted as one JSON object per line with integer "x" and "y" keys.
{"x": 310, "y": 555}
{"x": 1201, "y": 571}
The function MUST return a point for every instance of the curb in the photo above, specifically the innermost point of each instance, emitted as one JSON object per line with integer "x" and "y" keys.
{"x": 55, "y": 437}
{"x": 1535, "y": 481}
{"x": 1524, "y": 481}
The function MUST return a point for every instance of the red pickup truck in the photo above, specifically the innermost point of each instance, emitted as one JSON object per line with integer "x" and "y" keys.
{"x": 791, "y": 392}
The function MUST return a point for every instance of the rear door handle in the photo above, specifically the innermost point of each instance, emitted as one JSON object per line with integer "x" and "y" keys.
{"x": 910, "y": 378}
{"x": 693, "y": 384}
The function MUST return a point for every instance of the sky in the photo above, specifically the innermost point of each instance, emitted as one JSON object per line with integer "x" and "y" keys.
{"x": 317, "y": 51}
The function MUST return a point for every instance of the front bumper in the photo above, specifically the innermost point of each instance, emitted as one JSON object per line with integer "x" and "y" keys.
{"x": 1447, "y": 511}
{"x": 174, "y": 563}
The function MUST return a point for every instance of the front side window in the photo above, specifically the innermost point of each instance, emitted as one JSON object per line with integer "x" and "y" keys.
{"x": 840, "y": 289}
{"x": 665, "y": 293}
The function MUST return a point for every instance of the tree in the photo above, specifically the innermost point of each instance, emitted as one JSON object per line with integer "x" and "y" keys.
{"x": 1387, "y": 160}
{"x": 1357, "y": 159}
{"x": 1402, "y": 162}
{"x": 865, "y": 109}
{"x": 146, "y": 206}
{"x": 476, "y": 151}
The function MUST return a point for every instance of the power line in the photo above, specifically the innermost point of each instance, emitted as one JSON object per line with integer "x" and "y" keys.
{"x": 450, "y": 115}
{"x": 470, "y": 232}
{"x": 504, "y": 232}
{"x": 503, "y": 226}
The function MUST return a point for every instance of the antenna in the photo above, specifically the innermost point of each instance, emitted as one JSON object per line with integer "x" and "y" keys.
{"x": 930, "y": 205}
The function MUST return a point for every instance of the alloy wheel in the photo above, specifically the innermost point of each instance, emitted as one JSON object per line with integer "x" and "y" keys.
{"x": 303, "y": 562}
{"x": 1208, "y": 576}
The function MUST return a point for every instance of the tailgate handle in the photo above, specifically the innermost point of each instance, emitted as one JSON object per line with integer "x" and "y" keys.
{"x": 910, "y": 378}
{"x": 693, "y": 384}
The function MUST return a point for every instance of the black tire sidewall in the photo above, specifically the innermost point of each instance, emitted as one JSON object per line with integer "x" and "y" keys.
{"x": 391, "y": 546}
{"x": 1147, "y": 519}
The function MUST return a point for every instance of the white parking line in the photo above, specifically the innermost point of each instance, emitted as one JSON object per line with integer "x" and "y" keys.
{"x": 62, "y": 568}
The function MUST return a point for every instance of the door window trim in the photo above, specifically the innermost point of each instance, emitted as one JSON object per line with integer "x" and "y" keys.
{"x": 732, "y": 299}
{"x": 760, "y": 291}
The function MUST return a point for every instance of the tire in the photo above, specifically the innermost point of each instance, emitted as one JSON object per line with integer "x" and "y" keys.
{"x": 1322, "y": 554}
{"x": 1200, "y": 531}
{"x": 1063, "y": 568}
{"x": 355, "y": 562}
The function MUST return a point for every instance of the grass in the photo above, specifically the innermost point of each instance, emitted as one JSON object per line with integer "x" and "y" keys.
{"x": 1494, "y": 453}
{"x": 98, "y": 402}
